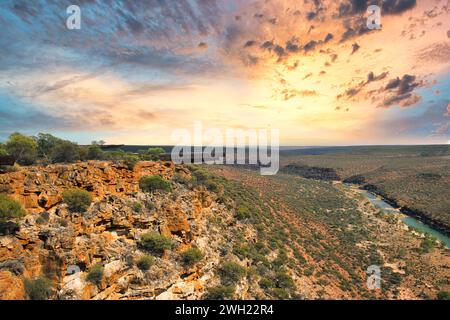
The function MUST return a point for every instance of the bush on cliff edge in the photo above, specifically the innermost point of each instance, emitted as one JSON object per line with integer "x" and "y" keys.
{"x": 153, "y": 183}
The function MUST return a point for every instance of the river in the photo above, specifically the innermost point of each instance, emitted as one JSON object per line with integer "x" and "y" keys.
{"x": 409, "y": 221}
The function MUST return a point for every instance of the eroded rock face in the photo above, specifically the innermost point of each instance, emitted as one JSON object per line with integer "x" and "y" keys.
{"x": 40, "y": 188}
{"x": 66, "y": 245}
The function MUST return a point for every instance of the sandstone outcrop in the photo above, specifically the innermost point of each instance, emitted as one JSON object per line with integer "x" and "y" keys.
{"x": 64, "y": 246}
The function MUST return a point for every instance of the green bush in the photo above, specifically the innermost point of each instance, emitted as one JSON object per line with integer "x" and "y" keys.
{"x": 266, "y": 283}
{"x": 65, "y": 151}
{"x": 243, "y": 212}
{"x": 22, "y": 148}
{"x": 231, "y": 272}
{"x": 443, "y": 295}
{"x": 77, "y": 200}
{"x": 220, "y": 292}
{"x": 153, "y": 183}
{"x": 181, "y": 179}
{"x": 155, "y": 243}
{"x": 279, "y": 293}
{"x": 284, "y": 281}
{"x": 38, "y": 289}
{"x": 95, "y": 275}
{"x": 137, "y": 207}
{"x": 428, "y": 244}
{"x": 192, "y": 256}
{"x": 130, "y": 161}
{"x": 10, "y": 209}
{"x": 145, "y": 262}
{"x": 94, "y": 152}
{"x": 155, "y": 153}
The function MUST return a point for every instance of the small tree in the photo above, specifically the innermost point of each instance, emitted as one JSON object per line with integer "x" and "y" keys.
{"x": 94, "y": 152}
{"x": 22, "y": 148}
{"x": 155, "y": 243}
{"x": 95, "y": 275}
{"x": 38, "y": 289}
{"x": 10, "y": 209}
{"x": 77, "y": 200}
{"x": 192, "y": 256}
{"x": 65, "y": 151}
{"x": 153, "y": 183}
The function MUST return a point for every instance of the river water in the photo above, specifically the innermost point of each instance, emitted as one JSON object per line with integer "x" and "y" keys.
{"x": 409, "y": 221}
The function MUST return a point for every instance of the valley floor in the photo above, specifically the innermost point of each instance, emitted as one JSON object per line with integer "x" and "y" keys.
{"x": 338, "y": 234}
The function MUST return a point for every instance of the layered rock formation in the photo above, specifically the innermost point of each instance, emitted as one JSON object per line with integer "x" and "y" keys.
{"x": 55, "y": 243}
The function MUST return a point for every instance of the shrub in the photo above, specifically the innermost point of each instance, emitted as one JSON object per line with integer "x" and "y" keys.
{"x": 179, "y": 178}
{"x": 283, "y": 280}
{"x": 145, "y": 262}
{"x": 279, "y": 293}
{"x": 231, "y": 272}
{"x": 43, "y": 218}
{"x": 266, "y": 283}
{"x": 95, "y": 275}
{"x": 10, "y": 209}
{"x": 220, "y": 292}
{"x": 200, "y": 177}
{"x": 243, "y": 212}
{"x": 130, "y": 161}
{"x": 192, "y": 256}
{"x": 443, "y": 295}
{"x": 428, "y": 244}
{"x": 155, "y": 243}
{"x": 78, "y": 200}
{"x": 23, "y": 148}
{"x": 137, "y": 207}
{"x": 38, "y": 289}
{"x": 153, "y": 183}
{"x": 155, "y": 153}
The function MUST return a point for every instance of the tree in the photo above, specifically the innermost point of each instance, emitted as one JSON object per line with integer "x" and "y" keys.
{"x": 94, "y": 152}
{"x": 22, "y": 148}
{"x": 3, "y": 151}
{"x": 46, "y": 143}
{"x": 65, "y": 151}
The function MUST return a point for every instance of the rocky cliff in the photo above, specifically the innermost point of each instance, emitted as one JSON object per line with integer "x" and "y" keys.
{"x": 63, "y": 246}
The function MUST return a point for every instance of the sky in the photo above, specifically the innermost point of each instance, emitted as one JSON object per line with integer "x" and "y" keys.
{"x": 139, "y": 69}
